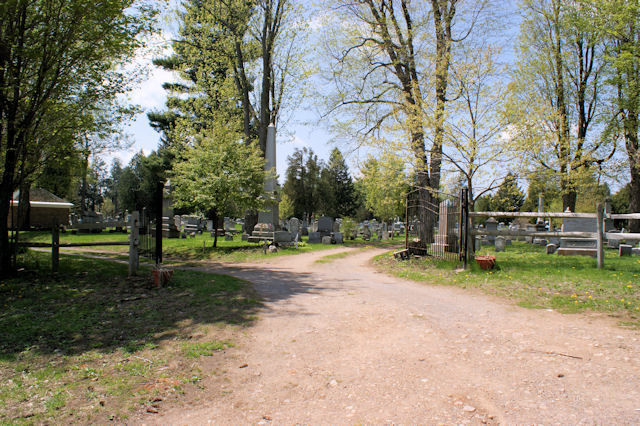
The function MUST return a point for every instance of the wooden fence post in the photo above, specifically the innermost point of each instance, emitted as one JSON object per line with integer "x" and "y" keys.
{"x": 600, "y": 239}
{"x": 134, "y": 223}
{"x": 55, "y": 247}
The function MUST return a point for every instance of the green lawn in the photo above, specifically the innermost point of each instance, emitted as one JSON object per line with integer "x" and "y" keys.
{"x": 534, "y": 279}
{"x": 200, "y": 247}
{"x": 89, "y": 345}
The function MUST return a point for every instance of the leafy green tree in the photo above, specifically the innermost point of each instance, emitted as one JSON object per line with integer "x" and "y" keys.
{"x": 617, "y": 21}
{"x": 385, "y": 84}
{"x": 219, "y": 174}
{"x": 558, "y": 94}
{"x": 509, "y": 197}
{"x": 58, "y": 60}
{"x": 545, "y": 183}
{"x": 385, "y": 185}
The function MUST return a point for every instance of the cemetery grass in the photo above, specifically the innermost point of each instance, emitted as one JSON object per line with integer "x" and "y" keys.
{"x": 199, "y": 248}
{"x": 526, "y": 274}
{"x": 89, "y": 345}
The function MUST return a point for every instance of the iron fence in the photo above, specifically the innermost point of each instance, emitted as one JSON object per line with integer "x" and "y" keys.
{"x": 436, "y": 224}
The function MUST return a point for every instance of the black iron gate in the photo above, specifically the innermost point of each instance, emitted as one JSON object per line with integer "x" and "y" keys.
{"x": 437, "y": 224}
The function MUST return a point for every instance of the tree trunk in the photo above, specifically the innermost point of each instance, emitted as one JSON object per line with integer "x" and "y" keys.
{"x": 633, "y": 151}
{"x": 5, "y": 249}
{"x": 569, "y": 197}
{"x": 24, "y": 207}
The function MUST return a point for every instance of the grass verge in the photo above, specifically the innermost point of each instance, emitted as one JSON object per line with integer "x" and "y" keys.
{"x": 198, "y": 248}
{"x": 534, "y": 279}
{"x": 89, "y": 345}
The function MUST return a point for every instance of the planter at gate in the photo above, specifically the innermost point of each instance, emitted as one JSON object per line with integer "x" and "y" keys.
{"x": 161, "y": 276}
{"x": 486, "y": 262}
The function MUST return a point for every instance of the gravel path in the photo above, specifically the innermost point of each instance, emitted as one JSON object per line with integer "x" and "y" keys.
{"x": 339, "y": 343}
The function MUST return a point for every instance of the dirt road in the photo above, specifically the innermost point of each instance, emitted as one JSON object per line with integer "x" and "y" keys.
{"x": 339, "y": 343}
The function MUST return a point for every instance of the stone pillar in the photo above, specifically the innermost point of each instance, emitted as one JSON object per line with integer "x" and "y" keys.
{"x": 270, "y": 215}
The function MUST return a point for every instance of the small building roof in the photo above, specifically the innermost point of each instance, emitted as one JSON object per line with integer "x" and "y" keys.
{"x": 39, "y": 197}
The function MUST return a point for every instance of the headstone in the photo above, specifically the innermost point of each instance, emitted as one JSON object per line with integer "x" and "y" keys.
{"x": 304, "y": 230}
{"x": 327, "y": 240}
{"x": 499, "y": 244}
{"x": 635, "y": 251}
{"x": 491, "y": 225}
{"x": 245, "y": 237}
{"x": 625, "y": 250}
{"x": 478, "y": 244}
{"x": 338, "y": 238}
{"x": 446, "y": 239}
{"x": 228, "y": 237}
{"x": 581, "y": 224}
{"x": 551, "y": 248}
{"x": 336, "y": 226}
{"x": 385, "y": 231}
{"x": 366, "y": 233}
{"x": 315, "y": 237}
{"x": 613, "y": 243}
{"x": 325, "y": 225}
{"x": 294, "y": 226}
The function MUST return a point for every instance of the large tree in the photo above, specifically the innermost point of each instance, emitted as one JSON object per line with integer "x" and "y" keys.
{"x": 337, "y": 193}
{"x": 302, "y": 182}
{"x": 558, "y": 94}
{"x": 618, "y": 21}
{"x": 58, "y": 58}
{"x": 381, "y": 77}
{"x": 218, "y": 174}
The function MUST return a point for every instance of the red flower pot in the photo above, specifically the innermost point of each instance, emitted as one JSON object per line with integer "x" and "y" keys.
{"x": 486, "y": 262}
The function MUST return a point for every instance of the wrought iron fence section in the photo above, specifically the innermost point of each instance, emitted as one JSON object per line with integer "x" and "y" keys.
{"x": 434, "y": 224}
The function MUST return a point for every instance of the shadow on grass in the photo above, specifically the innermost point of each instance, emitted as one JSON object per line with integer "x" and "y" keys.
{"x": 91, "y": 305}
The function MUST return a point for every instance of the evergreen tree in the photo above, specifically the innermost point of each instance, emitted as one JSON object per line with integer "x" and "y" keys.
{"x": 509, "y": 197}
{"x": 338, "y": 197}
{"x": 302, "y": 182}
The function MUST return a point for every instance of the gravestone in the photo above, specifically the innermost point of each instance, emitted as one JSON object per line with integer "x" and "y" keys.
{"x": 625, "y": 250}
{"x": 491, "y": 225}
{"x": 228, "y": 237}
{"x": 551, "y": 248}
{"x": 294, "y": 228}
{"x": 338, "y": 238}
{"x": 327, "y": 240}
{"x": 578, "y": 246}
{"x": 336, "y": 226}
{"x": 447, "y": 239}
{"x": 315, "y": 237}
{"x": 385, "y": 231}
{"x": 499, "y": 244}
{"x": 325, "y": 225}
{"x": 366, "y": 233}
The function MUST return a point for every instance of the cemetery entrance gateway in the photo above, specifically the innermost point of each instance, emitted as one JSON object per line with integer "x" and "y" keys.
{"x": 437, "y": 228}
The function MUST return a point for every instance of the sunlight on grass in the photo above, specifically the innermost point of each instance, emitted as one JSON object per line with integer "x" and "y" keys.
{"x": 537, "y": 280}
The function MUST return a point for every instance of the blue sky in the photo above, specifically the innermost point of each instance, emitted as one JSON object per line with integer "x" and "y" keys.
{"x": 297, "y": 132}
